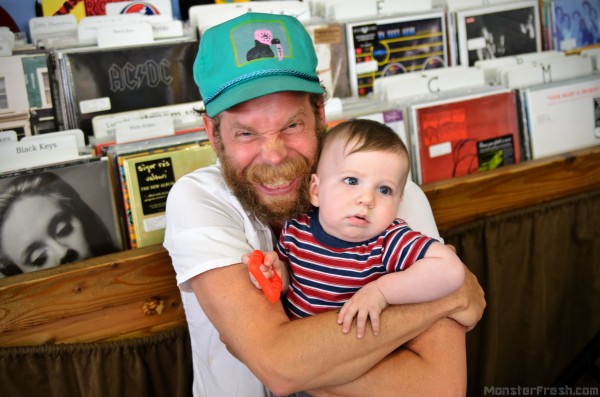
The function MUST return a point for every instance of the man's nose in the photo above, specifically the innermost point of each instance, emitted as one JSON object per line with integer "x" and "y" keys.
{"x": 274, "y": 149}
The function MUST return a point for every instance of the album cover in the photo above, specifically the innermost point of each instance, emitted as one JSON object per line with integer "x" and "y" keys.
{"x": 575, "y": 23}
{"x": 563, "y": 116}
{"x": 464, "y": 134}
{"x": 13, "y": 92}
{"x": 63, "y": 7}
{"x": 148, "y": 178}
{"x": 394, "y": 45}
{"x": 95, "y": 81}
{"x": 39, "y": 92}
{"x": 114, "y": 153}
{"x": 330, "y": 45}
{"x": 64, "y": 213}
{"x": 498, "y": 31}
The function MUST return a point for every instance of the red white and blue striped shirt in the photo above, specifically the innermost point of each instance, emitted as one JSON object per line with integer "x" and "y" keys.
{"x": 326, "y": 271}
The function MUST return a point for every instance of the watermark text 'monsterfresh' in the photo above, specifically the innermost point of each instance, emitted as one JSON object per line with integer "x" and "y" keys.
{"x": 540, "y": 391}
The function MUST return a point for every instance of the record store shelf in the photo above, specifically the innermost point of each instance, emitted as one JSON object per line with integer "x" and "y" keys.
{"x": 133, "y": 293}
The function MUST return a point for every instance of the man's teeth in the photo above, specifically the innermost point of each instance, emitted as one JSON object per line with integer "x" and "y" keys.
{"x": 277, "y": 184}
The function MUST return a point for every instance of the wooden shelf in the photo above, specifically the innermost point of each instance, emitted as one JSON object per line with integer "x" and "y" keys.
{"x": 517, "y": 186}
{"x": 134, "y": 293}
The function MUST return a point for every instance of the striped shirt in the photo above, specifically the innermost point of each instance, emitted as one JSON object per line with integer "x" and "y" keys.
{"x": 326, "y": 271}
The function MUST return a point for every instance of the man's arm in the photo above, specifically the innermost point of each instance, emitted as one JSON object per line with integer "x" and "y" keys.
{"x": 432, "y": 364}
{"x": 312, "y": 353}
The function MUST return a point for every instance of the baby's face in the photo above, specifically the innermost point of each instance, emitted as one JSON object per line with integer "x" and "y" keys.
{"x": 358, "y": 194}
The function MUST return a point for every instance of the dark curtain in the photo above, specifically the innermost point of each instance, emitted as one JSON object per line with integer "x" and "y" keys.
{"x": 540, "y": 269}
{"x": 153, "y": 366}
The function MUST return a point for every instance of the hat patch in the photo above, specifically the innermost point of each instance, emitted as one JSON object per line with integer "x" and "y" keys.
{"x": 260, "y": 41}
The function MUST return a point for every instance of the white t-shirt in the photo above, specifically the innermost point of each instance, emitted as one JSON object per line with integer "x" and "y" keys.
{"x": 207, "y": 228}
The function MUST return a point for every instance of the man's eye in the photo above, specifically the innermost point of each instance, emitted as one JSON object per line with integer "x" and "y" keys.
{"x": 351, "y": 180}
{"x": 294, "y": 128}
{"x": 385, "y": 190}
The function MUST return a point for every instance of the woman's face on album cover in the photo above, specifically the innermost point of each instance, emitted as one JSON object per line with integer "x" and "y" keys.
{"x": 38, "y": 233}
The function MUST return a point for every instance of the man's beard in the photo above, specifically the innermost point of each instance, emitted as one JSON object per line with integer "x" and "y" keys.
{"x": 242, "y": 182}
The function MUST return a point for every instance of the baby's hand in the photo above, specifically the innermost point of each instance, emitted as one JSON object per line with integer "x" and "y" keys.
{"x": 271, "y": 265}
{"x": 368, "y": 302}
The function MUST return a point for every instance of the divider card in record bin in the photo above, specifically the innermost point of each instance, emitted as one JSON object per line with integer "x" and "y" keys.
{"x": 390, "y": 46}
{"x": 464, "y": 135}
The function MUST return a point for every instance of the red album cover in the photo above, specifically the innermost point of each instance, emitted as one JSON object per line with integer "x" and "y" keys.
{"x": 463, "y": 136}
{"x": 96, "y": 7}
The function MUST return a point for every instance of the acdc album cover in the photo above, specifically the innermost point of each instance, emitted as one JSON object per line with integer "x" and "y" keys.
{"x": 97, "y": 81}
{"x": 390, "y": 46}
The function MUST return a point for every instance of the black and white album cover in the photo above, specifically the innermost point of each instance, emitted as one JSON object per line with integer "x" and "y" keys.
{"x": 50, "y": 216}
{"x": 96, "y": 81}
{"x": 498, "y": 31}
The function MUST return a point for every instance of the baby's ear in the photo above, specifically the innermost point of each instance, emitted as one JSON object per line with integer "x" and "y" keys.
{"x": 313, "y": 190}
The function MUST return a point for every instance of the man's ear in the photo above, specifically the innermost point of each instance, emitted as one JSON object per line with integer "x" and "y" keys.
{"x": 313, "y": 190}
{"x": 209, "y": 128}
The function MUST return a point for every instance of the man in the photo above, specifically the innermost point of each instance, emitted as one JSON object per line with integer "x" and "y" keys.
{"x": 264, "y": 118}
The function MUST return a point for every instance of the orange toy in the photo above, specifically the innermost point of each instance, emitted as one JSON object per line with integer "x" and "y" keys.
{"x": 271, "y": 287}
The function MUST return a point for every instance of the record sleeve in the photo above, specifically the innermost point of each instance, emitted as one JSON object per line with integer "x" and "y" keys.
{"x": 329, "y": 39}
{"x": 394, "y": 45}
{"x": 74, "y": 218}
{"x": 148, "y": 178}
{"x": 500, "y": 30}
{"x": 464, "y": 134}
{"x": 563, "y": 116}
{"x": 63, "y": 7}
{"x": 39, "y": 92}
{"x": 575, "y": 24}
{"x": 13, "y": 92}
{"x": 94, "y": 81}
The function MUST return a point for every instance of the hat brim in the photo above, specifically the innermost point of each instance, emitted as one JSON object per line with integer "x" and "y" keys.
{"x": 257, "y": 87}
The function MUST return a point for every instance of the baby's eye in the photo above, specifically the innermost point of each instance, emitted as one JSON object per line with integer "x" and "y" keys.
{"x": 351, "y": 180}
{"x": 385, "y": 190}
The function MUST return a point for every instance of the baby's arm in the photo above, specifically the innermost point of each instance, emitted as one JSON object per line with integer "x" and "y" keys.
{"x": 271, "y": 265}
{"x": 438, "y": 274}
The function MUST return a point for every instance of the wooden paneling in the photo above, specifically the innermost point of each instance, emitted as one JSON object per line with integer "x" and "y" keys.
{"x": 131, "y": 293}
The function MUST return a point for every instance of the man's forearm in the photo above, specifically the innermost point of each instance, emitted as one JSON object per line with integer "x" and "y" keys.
{"x": 432, "y": 364}
{"x": 303, "y": 354}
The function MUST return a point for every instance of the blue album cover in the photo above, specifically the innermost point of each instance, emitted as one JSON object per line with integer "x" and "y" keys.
{"x": 575, "y": 23}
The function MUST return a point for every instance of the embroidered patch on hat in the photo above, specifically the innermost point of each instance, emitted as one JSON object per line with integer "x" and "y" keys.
{"x": 258, "y": 40}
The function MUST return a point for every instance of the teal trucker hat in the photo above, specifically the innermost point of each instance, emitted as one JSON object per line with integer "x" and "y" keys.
{"x": 253, "y": 55}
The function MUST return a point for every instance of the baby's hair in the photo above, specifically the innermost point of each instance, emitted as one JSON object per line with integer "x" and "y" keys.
{"x": 366, "y": 136}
